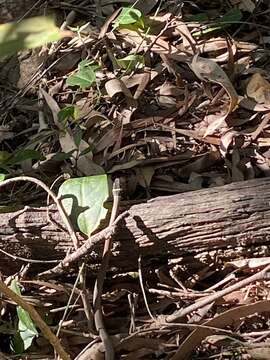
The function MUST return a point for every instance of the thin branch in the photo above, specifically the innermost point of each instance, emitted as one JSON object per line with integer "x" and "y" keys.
{"x": 208, "y": 299}
{"x": 83, "y": 250}
{"x": 58, "y": 203}
{"x": 98, "y": 289}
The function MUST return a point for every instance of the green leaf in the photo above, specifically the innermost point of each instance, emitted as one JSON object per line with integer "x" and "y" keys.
{"x": 132, "y": 62}
{"x": 2, "y": 177}
{"x": 128, "y": 16}
{"x": 26, "y": 154}
{"x": 85, "y": 76}
{"x": 26, "y": 328}
{"x": 199, "y": 17}
{"x": 60, "y": 156}
{"x": 77, "y": 136}
{"x": 83, "y": 199}
{"x": 27, "y": 34}
{"x": 67, "y": 112}
{"x": 14, "y": 286}
{"x": 25, "y": 322}
{"x": 4, "y": 156}
{"x": 231, "y": 17}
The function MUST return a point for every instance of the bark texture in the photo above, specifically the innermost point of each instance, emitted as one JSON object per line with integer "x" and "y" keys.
{"x": 235, "y": 216}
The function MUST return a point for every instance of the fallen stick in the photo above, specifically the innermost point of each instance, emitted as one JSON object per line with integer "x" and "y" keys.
{"x": 235, "y": 216}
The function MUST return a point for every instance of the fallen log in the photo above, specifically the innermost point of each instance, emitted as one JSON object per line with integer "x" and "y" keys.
{"x": 221, "y": 219}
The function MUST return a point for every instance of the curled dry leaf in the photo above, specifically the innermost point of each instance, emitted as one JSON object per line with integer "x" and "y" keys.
{"x": 258, "y": 88}
{"x": 116, "y": 86}
{"x": 168, "y": 89}
{"x": 220, "y": 321}
{"x": 226, "y": 140}
{"x": 167, "y": 102}
{"x": 140, "y": 81}
{"x": 183, "y": 30}
{"x": 208, "y": 70}
{"x": 214, "y": 45}
{"x": 216, "y": 121}
{"x": 251, "y": 104}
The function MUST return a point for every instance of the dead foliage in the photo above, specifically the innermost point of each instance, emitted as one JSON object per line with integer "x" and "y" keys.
{"x": 177, "y": 103}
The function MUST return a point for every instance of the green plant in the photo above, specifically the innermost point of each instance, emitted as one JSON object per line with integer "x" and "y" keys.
{"x": 231, "y": 17}
{"x": 84, "y": 76}
{"x": 131, "y": 62}
{"x": 28, "y": 34}
{"x": 26, "y": 330}
{"x": 129, "y": 16}
{"x": 68, "y": 112}
{"x": 83, "y": 198}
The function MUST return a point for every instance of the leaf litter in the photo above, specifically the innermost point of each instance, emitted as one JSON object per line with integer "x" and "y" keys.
{"x": 172, "y": 98}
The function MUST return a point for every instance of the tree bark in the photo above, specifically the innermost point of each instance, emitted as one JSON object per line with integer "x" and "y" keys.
{"x": 223, "y": 219}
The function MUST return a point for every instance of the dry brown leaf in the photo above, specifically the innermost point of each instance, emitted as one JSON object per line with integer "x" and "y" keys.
{"x": 169, "y": 89}
{"x": 227, "y": 318}
{"x": 258, "y": 88}
{"x": 208, "y": 70}
{"x": 161, "y": 183}
{"x": 116, "y": 86}
{"x": 237, "y": 296}
{"x": 216, "y": 44}
{"x": 5, "y": 133}
{"x": 183, "y": 30}
{"x": 218, "y": 340}
{"x": 194, "y": 134}
{"x": 84, "y": 163}
{"x": 140, "y": 80}
{"x": 108, "y": 139}
{"x": 253, "y": 263}
{"x": 246, "y": 5}
{"x": 258, "y": 351}
{"x": 200, "y": 163}
{"x": 125, "y": 166}
{"x": 226, "y": 140}
{"x": 92, "y": 117}
{"x": 263, "y": 124}
{"x": 165, "y": 101}
{"x": 215, "y": 121}
{"x": 54, "y": 107}
{"x": 126, "y": 114}
{"x": 107, "y": 23}
{"x": 95, "y": 352}
{"x": 159, "y": 45}
{"x": 250, "y": 104}
{"x": 144, "y": 175}
{"x": 144, "y": 6}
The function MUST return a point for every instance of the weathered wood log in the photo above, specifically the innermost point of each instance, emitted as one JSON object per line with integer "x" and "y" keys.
{"x": 226, "y": 217}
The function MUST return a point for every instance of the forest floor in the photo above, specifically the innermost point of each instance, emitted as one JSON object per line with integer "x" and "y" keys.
{"x": 170, "y": 97}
